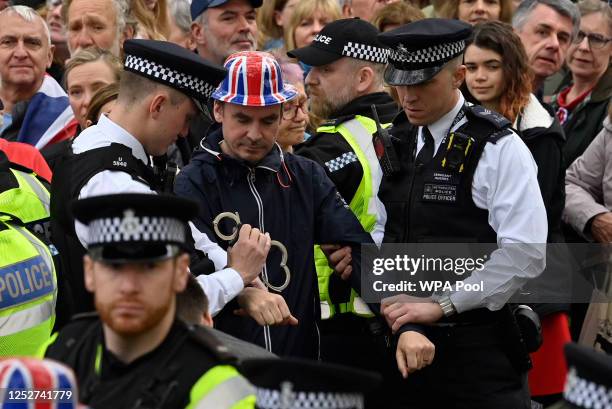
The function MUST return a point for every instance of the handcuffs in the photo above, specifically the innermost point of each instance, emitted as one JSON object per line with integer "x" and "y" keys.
{"x": 231, "y": 238}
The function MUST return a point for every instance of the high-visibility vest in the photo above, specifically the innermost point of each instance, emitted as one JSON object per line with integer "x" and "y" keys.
{"x": 28, "y": 281}
{"x": 365, "y": 205}
{"x": 28, "y": 290}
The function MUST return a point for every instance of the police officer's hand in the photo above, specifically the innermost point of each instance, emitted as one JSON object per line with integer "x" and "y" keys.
{"x": 414, "y": 351}
{"x": 248, "y": 255}
{"x": 264, "y": 307}
{"x": 339, "y": 259}
{"x": 601, "y": 228}
{"x": 403, "y": 309}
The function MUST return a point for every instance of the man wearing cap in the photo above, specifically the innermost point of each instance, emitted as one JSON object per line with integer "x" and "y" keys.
{"x": 464, "y": 177}
{"x": 346, "y": 79}
{"x": 163, "y": 87}
{"x": 223, "y": 27}
{"x": 136, "y": 353}
{"x": 242, "y": 170}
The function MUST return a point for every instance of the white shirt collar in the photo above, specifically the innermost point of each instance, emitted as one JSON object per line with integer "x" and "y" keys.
{"x": 116, "y": 133}
{"x": 441, "y": 127}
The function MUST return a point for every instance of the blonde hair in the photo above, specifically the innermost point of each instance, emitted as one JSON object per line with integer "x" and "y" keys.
{"x": 154, "y": 22}
{"x": 450, "y": 9}
{"x": 398, "y": 13}
{"x": 306, "y": 9}
{"x": 93, "y": 54}
{"x": 266, "y": 21}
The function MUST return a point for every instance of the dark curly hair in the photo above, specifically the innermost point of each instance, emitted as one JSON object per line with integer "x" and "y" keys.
{"x": 518, "y": 76}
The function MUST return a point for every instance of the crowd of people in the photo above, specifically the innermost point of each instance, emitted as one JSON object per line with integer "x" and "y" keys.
{"x": 190, "y": 189}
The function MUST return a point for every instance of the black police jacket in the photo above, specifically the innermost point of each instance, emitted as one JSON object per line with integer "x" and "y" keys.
{"x": 291, "y": 198}
{"x": 160, "y": 379}
{"x": 72, "y": 173}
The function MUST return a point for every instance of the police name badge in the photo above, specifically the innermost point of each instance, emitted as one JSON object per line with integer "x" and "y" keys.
{"x": 440, "y": 187}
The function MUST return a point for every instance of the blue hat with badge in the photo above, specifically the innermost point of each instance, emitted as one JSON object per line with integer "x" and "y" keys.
{"x": 421, "y": 49}
{"x": 200, "y": 6}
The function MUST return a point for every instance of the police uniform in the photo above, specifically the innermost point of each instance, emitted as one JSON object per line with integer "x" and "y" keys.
{"x": 465, "y": 177}
{"x": 28, "y": 279}
{"x": 107, "y": 159}
{"x": 190, "y": 367}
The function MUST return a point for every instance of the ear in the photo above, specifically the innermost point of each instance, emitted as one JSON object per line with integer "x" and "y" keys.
{"x": 88, "y": 271}
{"x": 88, "y": 123}
{"x": 347, "y": 11}
{"x": 190, "y": 43}
{"x": 181, "y": 271}
{"x": 365, "y": 77}
{"x": 218, "y": 112}
{"x": 157, "y": 104}
{"x": 50, "y": 55}
{"x": 459, "y": 76}
{"x": 207, "y": 320}
{"x": 197, "y": 33}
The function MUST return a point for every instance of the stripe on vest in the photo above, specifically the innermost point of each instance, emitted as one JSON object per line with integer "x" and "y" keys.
{"x": 227, "y": 393}
{"x": 22, "y": 320}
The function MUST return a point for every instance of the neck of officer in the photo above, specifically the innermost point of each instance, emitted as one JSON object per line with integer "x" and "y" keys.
{"x": 11, "y": 94}
{"x": 129, "y": 120}
{"x": 128, "y": 348}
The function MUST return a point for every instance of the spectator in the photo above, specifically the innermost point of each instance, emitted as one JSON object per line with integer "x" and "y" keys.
{"x": 396, "y": 14}
{"x": 100, "y": 23}
{"x": 223, "y": 27}
{"x": 179, "y": 24}
{"x": 546, "y": 29}
{"x": 149, "y": 25}
{"x": 36, "y": 109}
{"x": 89, "y": 70}
{"x": 588, "y": 209}
{"x": 57, "y": 28}
{"x": 102, "y": 102}
{"x": 364, "y": 9}
{"x": 587, "y": 86}
{"x": 308, "y": 18}
{"x": 477, "y": 11}
{"x": 271, "y": 20}
{"x": 498, "y": 77}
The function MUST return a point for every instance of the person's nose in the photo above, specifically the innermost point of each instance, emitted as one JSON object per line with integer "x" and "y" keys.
{"x": 83, "y": 39}
{"x": 243, "y": 24}
{"x": 584, "y": 44}
{"x": 301, "y": 114}
{"x": 57, "y": 11}
{"x": 553, "y": 42}
{"x": 479, "y": 7}
{"x": 254, "y": 132}
{"x": 317, "y": 26}
{"x": 481, "y": 74}
{"x": 129, "y": 282}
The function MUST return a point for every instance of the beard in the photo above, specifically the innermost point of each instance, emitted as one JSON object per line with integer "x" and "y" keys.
{"x": 135, "y": 323}
{"x": 325, "y": 107}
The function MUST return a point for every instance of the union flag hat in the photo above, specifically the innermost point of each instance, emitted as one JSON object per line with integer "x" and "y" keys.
{"x": 37, "y": 383}
{"x": 254, "y": 79}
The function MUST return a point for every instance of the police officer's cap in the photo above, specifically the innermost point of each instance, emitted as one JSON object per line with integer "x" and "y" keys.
{"x": 298, "y": 383}
{"x": 589, "y": 379}
{"x": 135, "y": 227}
{"x": 420, "y": 50}
{"x": 200, "y": 6}
{"x": 351, "y": 37}
{"x": 174, "y": 66}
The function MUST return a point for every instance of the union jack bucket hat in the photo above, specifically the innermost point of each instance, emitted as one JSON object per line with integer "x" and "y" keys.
{"x": 254, "y": 79}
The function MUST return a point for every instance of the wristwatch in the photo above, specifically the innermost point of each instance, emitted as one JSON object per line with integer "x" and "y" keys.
{"x": 447, "y": 306}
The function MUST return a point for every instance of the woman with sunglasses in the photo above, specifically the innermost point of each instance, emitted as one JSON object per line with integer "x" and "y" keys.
{"x": 582, "y": 103}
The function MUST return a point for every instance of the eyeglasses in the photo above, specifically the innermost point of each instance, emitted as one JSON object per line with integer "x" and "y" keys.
{"x": 595, "y": 40}
{"x": 290, "y": 110}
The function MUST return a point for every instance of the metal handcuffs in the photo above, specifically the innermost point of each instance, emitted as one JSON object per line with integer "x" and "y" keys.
{"x": 234, "y": 235}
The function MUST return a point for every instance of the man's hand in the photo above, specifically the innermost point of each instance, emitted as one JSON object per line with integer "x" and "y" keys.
{"x": 248, "y": 255}
{"x": 264, "y": 307}
{"x": 339, "y": 259}
{"x": 403, "y": 309}
{"x": 601, "y": 228}
{"x": 414, "y": 352}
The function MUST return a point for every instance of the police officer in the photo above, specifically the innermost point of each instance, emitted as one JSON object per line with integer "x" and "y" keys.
{"x": 162, "y": 88}
{"x": 136, "y": 354}
{"x": 28, "y": 278}
{"x": 463, "y": 176}
{"x": 346, "y": 79}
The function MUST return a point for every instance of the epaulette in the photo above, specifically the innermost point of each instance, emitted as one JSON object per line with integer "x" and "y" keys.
{"x": 500, "y": 134}
{"x": 208, "y": 340}
{"x": 496, "y": 119}
{"x": 92, "y": 315}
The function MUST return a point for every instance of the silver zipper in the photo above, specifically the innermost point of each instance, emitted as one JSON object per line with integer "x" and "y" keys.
{"x": 251, "y": 182}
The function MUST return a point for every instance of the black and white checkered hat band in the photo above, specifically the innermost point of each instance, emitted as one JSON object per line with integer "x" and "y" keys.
{"x": 366, "y": 52}
{"x": 436, "y": 53}
{"x": 136, "y": 229}
{"x": 171, "y": 77}
{"x": 273, "y": 399}
{"x": 586, "y": 394}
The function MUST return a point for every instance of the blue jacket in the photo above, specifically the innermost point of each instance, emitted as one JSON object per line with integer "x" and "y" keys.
{"x": 291, "y": 198}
